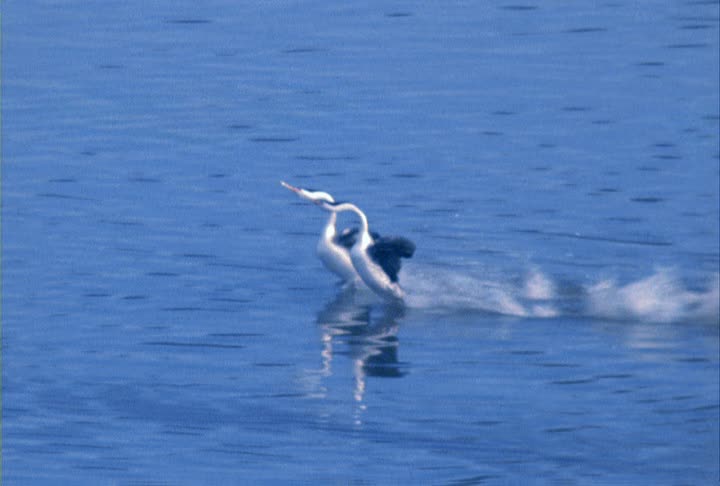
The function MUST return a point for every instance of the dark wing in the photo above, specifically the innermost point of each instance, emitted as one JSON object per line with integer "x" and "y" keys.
{"x": 348, "y": 237}
{"x": 387, "y": 252}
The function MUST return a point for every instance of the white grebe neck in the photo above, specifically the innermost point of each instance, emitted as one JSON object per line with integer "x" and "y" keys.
{"x": 351, "y": 207}
{"x": 330, "y": 230}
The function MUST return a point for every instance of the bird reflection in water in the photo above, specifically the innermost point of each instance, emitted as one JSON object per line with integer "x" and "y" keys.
{"x": 369, "y": 340}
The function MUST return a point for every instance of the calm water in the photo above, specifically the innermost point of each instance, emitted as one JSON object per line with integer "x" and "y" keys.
{"x": 165, "y": 319}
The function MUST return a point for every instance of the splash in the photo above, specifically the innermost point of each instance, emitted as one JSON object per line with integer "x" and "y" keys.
{"x": 437, "y": 288}
{"x": 660, "y": 297}
{"x": 539, "y": 286}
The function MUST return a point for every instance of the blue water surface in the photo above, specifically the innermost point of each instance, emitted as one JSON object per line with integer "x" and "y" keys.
{"x": 165, "y": 319}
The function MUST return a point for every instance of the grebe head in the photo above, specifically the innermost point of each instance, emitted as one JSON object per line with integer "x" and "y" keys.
{"x": 316, "y": 197}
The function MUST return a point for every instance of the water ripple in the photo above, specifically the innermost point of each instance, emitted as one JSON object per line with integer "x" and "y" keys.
{"x": 193, "y": 345}
{"x": 585, "y": 30}
{"x": 55, "y": 195}
{"x": 519, "y": 8}
{"x": 188, "y": 21}
{"x": 273, "y": 139}
{"x": 689, "y": 45}
{"x": 579, "y": 381}
{"x": 595, "y": 238}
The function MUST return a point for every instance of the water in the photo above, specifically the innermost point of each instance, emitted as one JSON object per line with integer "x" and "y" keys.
{"x": 165, "y": 319}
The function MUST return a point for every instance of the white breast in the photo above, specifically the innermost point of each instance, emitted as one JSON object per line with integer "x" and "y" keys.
{"x": 372, "y": 274}
{"x": 336, "y": 259}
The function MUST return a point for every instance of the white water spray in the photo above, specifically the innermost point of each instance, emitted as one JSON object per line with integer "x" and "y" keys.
{"x": 660, "y": 297}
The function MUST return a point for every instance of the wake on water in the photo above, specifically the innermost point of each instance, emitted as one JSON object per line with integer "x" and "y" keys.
{"x": 660, "y": 297}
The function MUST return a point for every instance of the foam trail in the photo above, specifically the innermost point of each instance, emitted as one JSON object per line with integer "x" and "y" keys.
{"x": 430, "y": 287}
{"x": 538, "y": 286}
{"x": 660, "y": 297}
